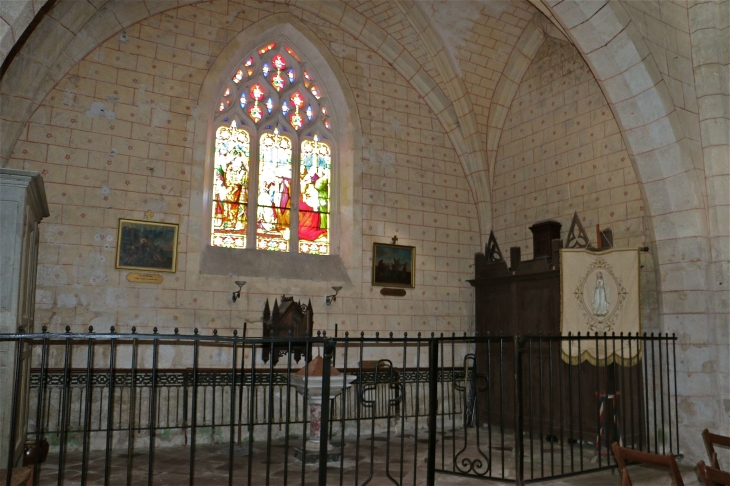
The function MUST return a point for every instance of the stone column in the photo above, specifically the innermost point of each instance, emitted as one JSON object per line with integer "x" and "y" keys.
{"x": 22, "y": 206}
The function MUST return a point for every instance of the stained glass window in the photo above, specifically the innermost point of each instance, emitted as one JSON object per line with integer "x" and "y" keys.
{"x": 273, "y": 215}
{"x": 230, "y": 187}
{"x": 314, "y": 197}
{"x": 272, "y": 108}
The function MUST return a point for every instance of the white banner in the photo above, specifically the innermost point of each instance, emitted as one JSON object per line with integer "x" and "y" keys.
{"x": 600, "y": 293}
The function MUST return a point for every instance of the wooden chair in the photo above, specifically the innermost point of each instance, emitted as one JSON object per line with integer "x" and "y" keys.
{"x": 623, "y": 455}
{"x": 710, "y": 441}
{"x": 22, "y": 476}
{"x": 712, "y": 476}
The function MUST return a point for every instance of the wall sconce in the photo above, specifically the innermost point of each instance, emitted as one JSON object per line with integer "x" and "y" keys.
{"x": 328, "y": 299}
{"x": 237, "y": 293}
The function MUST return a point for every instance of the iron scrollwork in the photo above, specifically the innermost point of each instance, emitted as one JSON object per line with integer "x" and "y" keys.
{"x": 481, "y": 466}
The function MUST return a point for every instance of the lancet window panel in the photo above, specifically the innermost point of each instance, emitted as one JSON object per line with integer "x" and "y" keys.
{"x": 272, "y": 122}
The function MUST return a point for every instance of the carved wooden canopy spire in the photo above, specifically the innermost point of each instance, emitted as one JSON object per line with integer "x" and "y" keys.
{"x": 577, "y": 236}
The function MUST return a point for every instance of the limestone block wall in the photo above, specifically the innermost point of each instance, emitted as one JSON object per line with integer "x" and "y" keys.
{"x": 561, "y": 152}
{"x": 115, "y": 139}
{"x": 489, "y": 39}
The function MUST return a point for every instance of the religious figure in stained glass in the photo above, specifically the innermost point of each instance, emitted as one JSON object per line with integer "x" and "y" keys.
{"x": 274, "y": 200}
{"x": 230, "y": 193}
{"x": 314, "y": 170}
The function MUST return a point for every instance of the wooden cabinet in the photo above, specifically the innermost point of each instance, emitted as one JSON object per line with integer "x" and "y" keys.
{"x": 543, "y": 233}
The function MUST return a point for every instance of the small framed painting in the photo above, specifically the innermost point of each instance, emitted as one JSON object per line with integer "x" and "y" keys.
{"x": 394, "y": 265}
{"x": 144, "y": 245}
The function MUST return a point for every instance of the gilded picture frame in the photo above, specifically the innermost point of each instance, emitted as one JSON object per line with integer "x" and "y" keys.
{"x": 394, "y": 265}
{"x": 146, "y": 245}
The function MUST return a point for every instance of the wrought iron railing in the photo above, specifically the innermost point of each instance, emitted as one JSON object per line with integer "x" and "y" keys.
{"x": 509, "y": 408}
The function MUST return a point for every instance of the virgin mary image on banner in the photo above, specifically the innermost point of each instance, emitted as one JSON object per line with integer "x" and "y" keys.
{"x": 600, "y": 297}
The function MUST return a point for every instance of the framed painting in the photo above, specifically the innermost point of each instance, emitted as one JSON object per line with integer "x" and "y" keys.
{"x": 394, "y": 265}
{"x": 144, "y": 245}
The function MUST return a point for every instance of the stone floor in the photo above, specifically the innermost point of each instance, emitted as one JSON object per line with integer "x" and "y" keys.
{"x": 172, "y": 466}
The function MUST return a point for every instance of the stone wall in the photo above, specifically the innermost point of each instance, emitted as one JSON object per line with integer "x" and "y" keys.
{"x": 561, "y": 152}
{"x": 114, "y": 139}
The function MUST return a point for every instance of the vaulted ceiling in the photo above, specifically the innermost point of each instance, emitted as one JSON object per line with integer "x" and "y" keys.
{"x": 465, "y": 58}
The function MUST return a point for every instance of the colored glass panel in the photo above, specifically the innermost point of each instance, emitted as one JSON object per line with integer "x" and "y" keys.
{"x": 279, "y": 62}
{"x": 257, "y": 92}
{"x": 256, "y": 113}
{"x": 293, "y": 54}
{"x": 230, "y": 187}
{"x": 314, "y": 181}
{"x": 296, "y": 120}
{"x": 273, "y": 212}
{"x": 267, "y": 48}
{"x": 278, "y": 82}
{"x": 274, "y": 192}
{"x": 296, "y": 100}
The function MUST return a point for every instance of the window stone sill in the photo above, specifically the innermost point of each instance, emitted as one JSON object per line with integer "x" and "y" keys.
{"x": 269, "y": 264}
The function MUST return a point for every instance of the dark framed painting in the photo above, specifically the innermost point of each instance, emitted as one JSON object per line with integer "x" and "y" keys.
{"x": 394, "y": 265}
{"x": 144, "y": 245}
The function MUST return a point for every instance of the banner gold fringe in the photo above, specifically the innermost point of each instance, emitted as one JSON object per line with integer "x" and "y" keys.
{"x": 607, "y": 361}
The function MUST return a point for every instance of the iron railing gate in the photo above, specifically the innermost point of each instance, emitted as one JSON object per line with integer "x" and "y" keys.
{"x": 509, "y": 408}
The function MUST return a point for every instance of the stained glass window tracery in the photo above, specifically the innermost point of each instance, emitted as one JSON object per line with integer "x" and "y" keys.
{"x": 286, "y": 128}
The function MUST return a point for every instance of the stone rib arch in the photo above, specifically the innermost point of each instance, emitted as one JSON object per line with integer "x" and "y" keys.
{"x": 15, "y": 19}
{"x": 474, "y": 159}
{"x": 519, "y": 61}
{"x": 634, "y": 88}
{"x": 445, "y": 111}
{"x": 525, "y": 50}
{"x": 61, "y": 40}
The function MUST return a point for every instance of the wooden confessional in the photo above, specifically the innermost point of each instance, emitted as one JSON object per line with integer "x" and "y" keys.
{"x": 524, "y": 300}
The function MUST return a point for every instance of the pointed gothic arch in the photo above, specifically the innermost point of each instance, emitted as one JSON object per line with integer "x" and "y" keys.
{"x": 342, "y": 137}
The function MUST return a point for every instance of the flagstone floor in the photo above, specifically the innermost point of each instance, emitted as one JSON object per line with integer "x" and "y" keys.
{"x": 172, "y": 466}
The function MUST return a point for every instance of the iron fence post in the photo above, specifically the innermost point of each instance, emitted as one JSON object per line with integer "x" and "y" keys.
{"x": 519, "y": 446}
{"x": 433, "y": 362}
{"x": 14, "y": 413}
{"x": 329, "y": 347}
